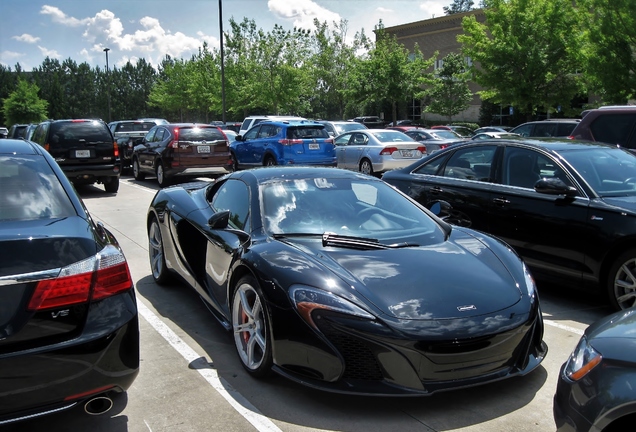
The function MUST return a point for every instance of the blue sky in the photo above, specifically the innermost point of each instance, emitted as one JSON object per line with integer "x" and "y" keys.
{"x": 31, "y": 30}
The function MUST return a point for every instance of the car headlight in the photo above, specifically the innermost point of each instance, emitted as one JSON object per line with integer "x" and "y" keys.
{"x": 529, "y": 280}
{"x": 307, "y": 299}
{"x": 583, "y": 359}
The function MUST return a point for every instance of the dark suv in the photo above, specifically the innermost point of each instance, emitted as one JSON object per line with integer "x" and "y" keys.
{"x": 182, "y": 150}
{"x": 85, "y": 150}
{"x": 371, "y": 122}
{"x": 301, "y": 142}
{"x": 611, "y": 125}
{"x": 129, "y": 133}
{"x": 557, "y": 128}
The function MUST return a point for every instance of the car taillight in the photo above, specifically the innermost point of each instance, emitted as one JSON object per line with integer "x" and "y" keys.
{"x": 443, "y": 146}
{"x": 387, "y": 151}
{"x": 422, "y": 149}
{"x": 571, "y": 137}
{"x": 116, "y": 149}
{"x": 94, "y": 278}
{"x": 290, "y": 141}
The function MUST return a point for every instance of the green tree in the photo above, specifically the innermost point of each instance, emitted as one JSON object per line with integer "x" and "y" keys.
{"x": 449, "y": 92}
{"x": 527, "y": 53}
{"x": 459, "y": 6}
{"x": 610, "y": 61}
{"x": 388, "y": 73}
{"x": 24, "y": 105}
{"x": 170, "y": 92}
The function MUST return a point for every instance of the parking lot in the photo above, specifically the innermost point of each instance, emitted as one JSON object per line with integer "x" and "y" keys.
{"x": 192, "y": 380}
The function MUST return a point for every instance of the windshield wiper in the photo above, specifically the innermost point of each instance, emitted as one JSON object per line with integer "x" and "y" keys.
{"x": 332, "y": 239}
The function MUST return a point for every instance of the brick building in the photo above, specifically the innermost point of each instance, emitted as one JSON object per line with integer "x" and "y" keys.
{"x": 438, "y": 35}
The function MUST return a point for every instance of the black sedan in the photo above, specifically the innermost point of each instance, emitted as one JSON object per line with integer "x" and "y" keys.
{"x": 596, "y": 389}
{"x": 568, "y": 208}
{"x": 69, "y": 331}
{"x": 339, "y": 282}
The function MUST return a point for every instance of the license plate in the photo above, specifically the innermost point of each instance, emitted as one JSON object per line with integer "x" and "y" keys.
{"x": 203, "y": 149}
{"x": 82, "y": 153}
{"x": 314, "y": 146}
{"x": 407, "y": 153}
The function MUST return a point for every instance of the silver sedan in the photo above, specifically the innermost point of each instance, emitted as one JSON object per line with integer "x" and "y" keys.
{"x": 375, "y": 151}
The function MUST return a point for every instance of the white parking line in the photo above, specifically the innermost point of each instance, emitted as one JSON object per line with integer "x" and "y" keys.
{"x": 234, "y": 398}
{"x": 563, "y": 327}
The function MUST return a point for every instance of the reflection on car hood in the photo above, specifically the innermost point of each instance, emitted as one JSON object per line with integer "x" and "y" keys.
{"x": 457, "y": 278}
{"x": 625, "y": 202}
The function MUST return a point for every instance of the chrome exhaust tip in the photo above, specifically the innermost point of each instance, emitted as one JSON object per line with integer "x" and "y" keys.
{"x": 98, "y": 405}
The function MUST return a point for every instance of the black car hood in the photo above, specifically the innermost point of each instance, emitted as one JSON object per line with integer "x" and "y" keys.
{"x": 456, "y": 278}
{"x": 624, "y": 202}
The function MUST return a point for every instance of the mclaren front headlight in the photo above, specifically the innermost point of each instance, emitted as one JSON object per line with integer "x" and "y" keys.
{"x": 583, "y": 359}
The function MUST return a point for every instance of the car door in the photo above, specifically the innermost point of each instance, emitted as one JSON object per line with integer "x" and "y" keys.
{"x": 143, "y": 152}
{"x": 548, "y": 231}
{"x": 355, "y": 148}
{"x": 341, "y": 142}
{"x": 223, "y": 244}
{"x": 463, "y": 179}
{"x": 245, "y": 149}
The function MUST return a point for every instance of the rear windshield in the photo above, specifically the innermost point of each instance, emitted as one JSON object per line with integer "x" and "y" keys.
{"x": 72, "y": 134}
{"x": 134, "y": 127}
{"x": 30, "y": 190}
{"x": 200, "y": 134}
{"x": 307, "y": 132}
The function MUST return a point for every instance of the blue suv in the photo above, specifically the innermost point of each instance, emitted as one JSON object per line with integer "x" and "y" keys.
{"x": 284, "y": 143}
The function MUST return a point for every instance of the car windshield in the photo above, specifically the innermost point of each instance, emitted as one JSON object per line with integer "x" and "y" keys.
{"x": 350, "y": 207}
{"x": 609, "y": 171}
{"x": 385, "y": 136}
{"x": 346, "y": 127}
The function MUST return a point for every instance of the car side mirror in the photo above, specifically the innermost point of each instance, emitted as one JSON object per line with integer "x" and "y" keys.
{"x": 219, "y": 220}
{"x": 554, "y": 186}
{"x": 239, "y": 138}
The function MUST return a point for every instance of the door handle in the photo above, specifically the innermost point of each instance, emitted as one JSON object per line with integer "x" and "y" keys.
{"x": 436, "y": 190}
{"x": 501, "y": 201}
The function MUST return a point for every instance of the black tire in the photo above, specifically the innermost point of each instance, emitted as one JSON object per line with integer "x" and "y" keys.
{"x": 269, "y": 161}
{"x": 161, "y": 176}
{"x": 137, "y": 174}
{"x": 251, "y": 327}
{"x": 235, "y": 164}
{"x": 621, "y": 281}
{"x": 366, "y": 167}
{"x": 158, "y": 268}
{"x": 112, "y": 186}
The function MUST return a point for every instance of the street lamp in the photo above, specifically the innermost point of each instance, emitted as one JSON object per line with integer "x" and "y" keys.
{"x": 107, "y": 82}
{"x": 222, "y": 61}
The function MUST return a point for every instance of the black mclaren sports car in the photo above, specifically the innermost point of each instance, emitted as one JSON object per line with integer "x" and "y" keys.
{"x": 338, "y": 281}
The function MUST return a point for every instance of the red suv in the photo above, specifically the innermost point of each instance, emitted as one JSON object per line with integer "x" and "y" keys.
{"x": 611, "y": 125}
{"x": 182, "y": 150}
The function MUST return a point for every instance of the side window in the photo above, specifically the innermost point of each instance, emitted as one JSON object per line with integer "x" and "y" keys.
{"x": 613, "y": 129}
{"x": 565, "y": 129}
{"x": 524, "y": 131}
{"x": 40, "y": 133}
{"x": 473, "y": 163}
{"x": 358, "y": 139}
{"x": 252, "y": 133}
{"x": 545, "y": 129}
{"x": 267, "y": 131}
{"x": 150, "y": 136}
{"x": 524, "y": 167}
{"x": 234, "y": 196}
{"x": 342, "y": 140}
{"x": 432, "y": 167}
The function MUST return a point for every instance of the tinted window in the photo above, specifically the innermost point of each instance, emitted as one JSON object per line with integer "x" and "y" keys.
{"x": 613, "y": 129}
{"x": 306, "y": 132}
{"x": 544, "y": 130}
{"x": 432, "y": 167}
{"x": 30, "y": 190}
{"x": 234, "y": 196}
{"x": 565, "y": 129}
{"x": 521, "y": 167}
{"x": 73, "y": 134}
{"x": 472, "y": 163}
{"x": 200, "y": 134}
{"x": 523, "y": 130}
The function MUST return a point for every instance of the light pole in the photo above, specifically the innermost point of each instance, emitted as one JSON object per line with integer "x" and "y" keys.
{"x": 222, "y": 61}
{"x": 107, "y": 82}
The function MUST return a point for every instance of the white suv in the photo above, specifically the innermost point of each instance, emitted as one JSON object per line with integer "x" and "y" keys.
{"x": 254, "y": 120}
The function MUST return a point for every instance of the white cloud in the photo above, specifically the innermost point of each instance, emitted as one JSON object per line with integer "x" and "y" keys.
{"x": 60, "y": 17}
{"x": 10, "y": 55}
{"x": 433, "y": 8}
{"x": 49, "y": 53}
{"x": 302, "y": 12}
{"x": 26, "y": 38}
{"x": 384, "y": 10}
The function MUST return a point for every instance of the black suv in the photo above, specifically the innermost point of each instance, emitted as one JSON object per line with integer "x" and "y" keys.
{"x": 557, "y": 128}
{"x": 85, "y": 150}
{"x": 371, "y": 122}
{"x": 611, "y": 125}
